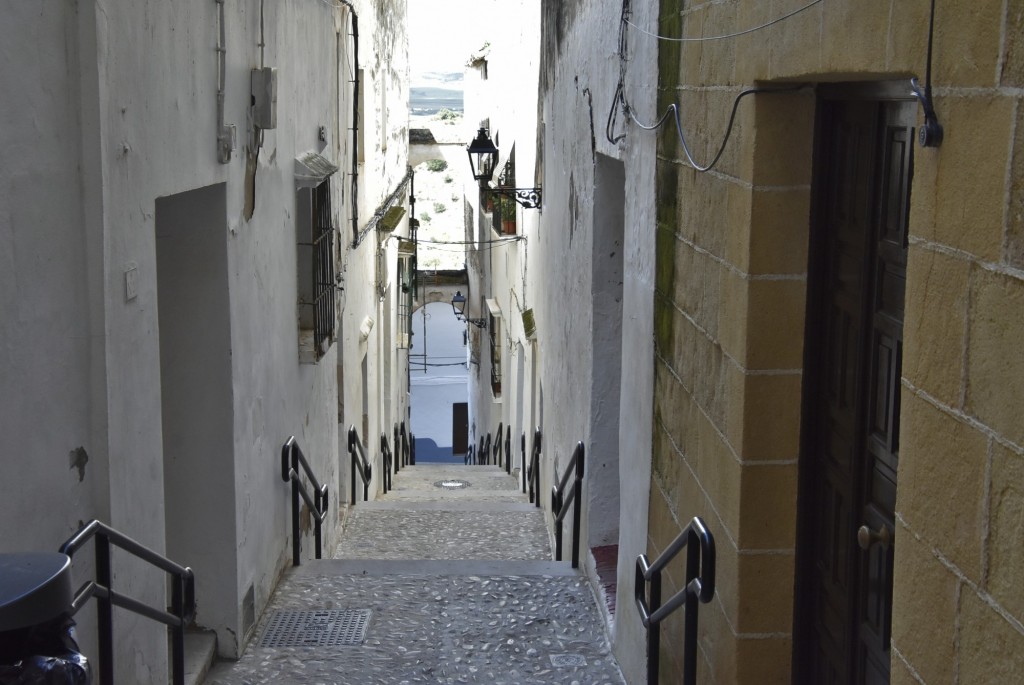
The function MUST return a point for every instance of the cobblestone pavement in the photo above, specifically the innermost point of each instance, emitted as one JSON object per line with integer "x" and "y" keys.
{"x": 443, "y": 586}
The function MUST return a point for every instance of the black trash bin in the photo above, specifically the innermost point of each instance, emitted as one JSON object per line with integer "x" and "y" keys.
{"x": 37, "y": 633}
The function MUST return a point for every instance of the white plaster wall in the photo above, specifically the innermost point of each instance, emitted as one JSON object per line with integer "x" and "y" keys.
{"x": 105, "y": 111}
{"x": 370, "y": 268}
{"x": 507, "y": 101}
{"x": 578, "y": 82}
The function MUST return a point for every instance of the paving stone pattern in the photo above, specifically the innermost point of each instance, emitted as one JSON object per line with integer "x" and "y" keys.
{"x": 379, "y": 534}
{"x": 460, "y": 590}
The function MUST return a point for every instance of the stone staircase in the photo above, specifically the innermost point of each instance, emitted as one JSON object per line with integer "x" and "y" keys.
{"x": 446, "y": 579}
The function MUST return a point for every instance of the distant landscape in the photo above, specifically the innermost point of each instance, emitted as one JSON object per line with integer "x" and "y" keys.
{"x": 433, "y": 91}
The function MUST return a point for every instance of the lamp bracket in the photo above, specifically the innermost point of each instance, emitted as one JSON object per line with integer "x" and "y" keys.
{"x": 528, "y": 198}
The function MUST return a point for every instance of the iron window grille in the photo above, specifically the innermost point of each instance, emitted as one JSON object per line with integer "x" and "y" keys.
{"x": 316, "y": 270}
{"x": 495, "y": 340}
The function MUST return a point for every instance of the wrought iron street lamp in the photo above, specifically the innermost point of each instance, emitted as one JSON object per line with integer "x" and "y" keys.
{"x": 483, "y": 158}
{"x": 459, "y": 307}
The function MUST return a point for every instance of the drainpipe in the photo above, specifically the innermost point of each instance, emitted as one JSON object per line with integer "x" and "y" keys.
{"x": 355, "y": 120}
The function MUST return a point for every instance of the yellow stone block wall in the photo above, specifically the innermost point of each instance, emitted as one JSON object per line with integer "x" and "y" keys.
{"x": 730, "y": 299}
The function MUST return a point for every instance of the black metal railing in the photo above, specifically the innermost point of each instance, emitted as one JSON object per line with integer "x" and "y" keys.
{"x": 389, "y": 461}
{"x": 399, "y": 457}
{"x": 699, "y": 587}
{"x": 560, "y": 502}
{"x": 508, "y": 448}
{"x": 359, "y": 464}
{"x": 408, "y": 447}
{"x": 496, "y": 450}
{"x": 533, "y": 472}
{"x": 291, "y": 459}
{"x": 183, "y": 595}
{"x": 522, "y": 459}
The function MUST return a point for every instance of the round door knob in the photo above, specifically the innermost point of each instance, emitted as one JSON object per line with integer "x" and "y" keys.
{"x": 867, "y": 537}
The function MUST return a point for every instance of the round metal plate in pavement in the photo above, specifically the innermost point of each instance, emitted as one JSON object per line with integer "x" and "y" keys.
{"x": 452, "y": 484}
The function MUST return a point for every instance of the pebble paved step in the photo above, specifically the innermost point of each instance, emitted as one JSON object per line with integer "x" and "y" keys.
{"x": 459, "y": 587}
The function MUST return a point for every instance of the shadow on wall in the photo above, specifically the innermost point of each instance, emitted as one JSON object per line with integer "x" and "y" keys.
{"x": 428, "y": 451}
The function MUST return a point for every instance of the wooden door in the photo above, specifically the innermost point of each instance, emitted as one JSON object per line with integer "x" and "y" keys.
{"x": 852, "y": 391}
{"x": 460, "y": 427}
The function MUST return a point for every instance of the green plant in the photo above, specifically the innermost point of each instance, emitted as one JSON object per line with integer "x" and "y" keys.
{"x": 440, "y": 207}
{"x": 424, "y": 217}
{"x": 446, "y": 114}
{"x": 455, "y": 197}
{"x": 437, "y": 164}
{"x": 448, "y": 178}
{"x": 508, "y": 210}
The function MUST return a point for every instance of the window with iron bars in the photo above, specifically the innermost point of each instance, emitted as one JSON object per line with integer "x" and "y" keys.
{"x": 315, "y": 272}
{"x": 495, "y": 335}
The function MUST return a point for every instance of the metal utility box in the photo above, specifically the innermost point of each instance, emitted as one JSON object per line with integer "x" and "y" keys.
{"x": 264, "y": 97}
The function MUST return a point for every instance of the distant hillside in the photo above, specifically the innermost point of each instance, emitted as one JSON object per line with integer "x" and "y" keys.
{"x": 431, "y": 100}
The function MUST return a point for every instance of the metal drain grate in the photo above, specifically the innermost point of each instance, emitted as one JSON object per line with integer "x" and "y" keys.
{"x": 329, "y": 628}
{"x": 452, "y": 484}
{"x": 566, "y": 660}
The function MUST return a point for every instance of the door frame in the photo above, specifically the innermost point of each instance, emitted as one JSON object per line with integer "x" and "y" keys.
{"x": 814, "y": 332}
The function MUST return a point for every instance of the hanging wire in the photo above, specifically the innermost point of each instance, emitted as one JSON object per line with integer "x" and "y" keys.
{"x": 728, "y": 35}
{"x": 673, "y": 110}
{"x": 619, "y": 98}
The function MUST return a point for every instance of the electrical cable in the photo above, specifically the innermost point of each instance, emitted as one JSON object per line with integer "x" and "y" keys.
{"x": 728, "y": 35}
{"x": 673, "y": 109}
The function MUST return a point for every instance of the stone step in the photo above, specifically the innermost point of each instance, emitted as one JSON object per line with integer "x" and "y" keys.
{"x": 483, "y": 623}
{"x": 200, "y": 650}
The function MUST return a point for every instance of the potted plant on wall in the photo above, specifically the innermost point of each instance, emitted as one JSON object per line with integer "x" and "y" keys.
{"x": 508, "y": 217}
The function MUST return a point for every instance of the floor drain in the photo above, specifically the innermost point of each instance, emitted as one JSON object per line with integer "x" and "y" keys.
{"x": 452, "y": 484}
{"x": 565, "y": 660}
{"x": 329, "y": 628}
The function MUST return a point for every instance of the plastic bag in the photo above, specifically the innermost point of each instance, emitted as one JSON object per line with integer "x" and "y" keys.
{"x": 46, "y": 654}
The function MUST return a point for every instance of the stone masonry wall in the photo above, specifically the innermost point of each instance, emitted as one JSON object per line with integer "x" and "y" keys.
{"x": 729, "y": 328}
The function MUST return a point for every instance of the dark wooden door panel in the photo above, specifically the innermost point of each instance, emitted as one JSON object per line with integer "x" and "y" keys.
{"x": 863, "y": 175}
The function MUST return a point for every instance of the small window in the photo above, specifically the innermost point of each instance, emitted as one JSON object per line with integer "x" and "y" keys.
{"x": 494, "y": 331}
{"x": 315, "y": 272}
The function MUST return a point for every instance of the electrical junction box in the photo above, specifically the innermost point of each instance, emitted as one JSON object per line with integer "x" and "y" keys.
{"x": 264, "y": 97}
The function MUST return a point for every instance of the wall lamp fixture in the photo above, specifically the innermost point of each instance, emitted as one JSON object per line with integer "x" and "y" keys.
{"x": 459, "y": 307}
{"x": 483, "y": 157}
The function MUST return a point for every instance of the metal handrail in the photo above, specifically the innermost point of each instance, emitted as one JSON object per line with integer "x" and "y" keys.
{"x": 533, "y": 473}
{"x": 699, "y": 587}
{"x": 496, "y": 451}
{"x": 357, "y": 457}
{"x": 508, "y": 449}
{"x": 408, "y": 452}
{"x": 183, "y": 595}
{"x": 522, "y": 458}
{"x": 388, "y": 458}
{"x": 291, "y": 458}
{"x": 486, "y": 451}
{"x": 398, "y": 452}
{"x": 560, "y": 503}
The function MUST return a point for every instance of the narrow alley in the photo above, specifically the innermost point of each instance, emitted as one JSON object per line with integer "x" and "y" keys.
{"x": 448, "y": 578}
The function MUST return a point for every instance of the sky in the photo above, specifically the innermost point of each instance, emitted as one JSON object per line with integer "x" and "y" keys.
{"x": 438, "y": 31}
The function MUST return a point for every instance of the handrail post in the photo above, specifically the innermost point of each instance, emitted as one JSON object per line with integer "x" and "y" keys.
{"x": 577, "y": 504}
{"x": 522, "y": 459}
{"x": 104, "y": 609}
{"x": 398, "y": 461}
{"x": 178, "y": 637}
{"x": 654, "y": 633}
{"x": 556, "y": 507}
{"x": 508, "y": 449}
{"x": 693, "y": 563}
{"x": 352, "y": 460}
